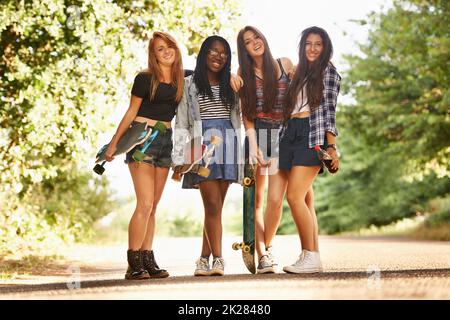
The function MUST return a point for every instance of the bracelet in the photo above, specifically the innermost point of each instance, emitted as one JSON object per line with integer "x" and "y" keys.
{"x": 332, "y": 145}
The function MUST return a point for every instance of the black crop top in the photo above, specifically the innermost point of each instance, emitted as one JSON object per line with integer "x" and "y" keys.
{"x": 162, "y": 107}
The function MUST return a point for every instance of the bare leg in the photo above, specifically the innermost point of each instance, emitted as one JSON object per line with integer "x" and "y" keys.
{"x": 160, "y": 181}
{"x": 310, "y": 203}
{"x": 206, "y": 248}
{"x": 211, "y": 192}
{"x": 300, "y": 180}
{"x": 260, "y": 181}
{"x": 275, "y": 194}
{"x": 143, "y": 176}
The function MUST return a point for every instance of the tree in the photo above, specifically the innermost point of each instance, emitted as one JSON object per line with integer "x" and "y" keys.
{"x": 65, "y": 66}
{"x": 394, "y": 139}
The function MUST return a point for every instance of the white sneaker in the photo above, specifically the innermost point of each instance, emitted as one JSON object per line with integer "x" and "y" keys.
{"x": 218, "y": 267}
{"x": 269, "y": 252}
{"x": 265, "y": 265}
{"x": 202, "y": 268}
{"x": 308, "y": 262}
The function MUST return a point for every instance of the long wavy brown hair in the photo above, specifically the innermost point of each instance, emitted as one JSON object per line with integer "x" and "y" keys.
{"x": 309, "y": 74}
{"x": 246, "y": 65}
{"x": 155, "y": 70}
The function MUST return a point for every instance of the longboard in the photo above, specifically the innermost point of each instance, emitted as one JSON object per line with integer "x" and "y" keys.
{"x": 139, "y": 133}
{"x": 248, "y": 218}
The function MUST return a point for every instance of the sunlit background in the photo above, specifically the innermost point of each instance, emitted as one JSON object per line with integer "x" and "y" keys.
{"x": 66, "y": 72}
{"x": 281, "y": 22}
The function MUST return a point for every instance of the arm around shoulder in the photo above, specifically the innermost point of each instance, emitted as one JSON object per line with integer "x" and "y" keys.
{"x": 287, "y": 64}
{"x": 288, "y": 67}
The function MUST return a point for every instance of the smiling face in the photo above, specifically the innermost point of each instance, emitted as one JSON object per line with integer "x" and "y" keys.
{"x": 253, "y": 44}
{"x": 314, "y": 47}
{"x": 165, "y": 55}
{"x": 216, "y": 57}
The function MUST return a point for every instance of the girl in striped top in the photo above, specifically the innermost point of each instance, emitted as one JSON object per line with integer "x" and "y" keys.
{"x": 209, "y": 107}
{"x": 213, "y": 107}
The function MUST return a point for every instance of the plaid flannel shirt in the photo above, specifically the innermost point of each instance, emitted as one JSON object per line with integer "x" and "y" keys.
{"x": 323, "y": 119}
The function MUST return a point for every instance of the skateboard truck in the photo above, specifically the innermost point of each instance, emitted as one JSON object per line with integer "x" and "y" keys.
{"x": 139, "y": 155}
{"x": 241, "y": 246}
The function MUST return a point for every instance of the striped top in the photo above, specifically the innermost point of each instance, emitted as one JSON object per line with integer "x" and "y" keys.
{"x": 282, "y": 87}
{"x": 213, "y": 108}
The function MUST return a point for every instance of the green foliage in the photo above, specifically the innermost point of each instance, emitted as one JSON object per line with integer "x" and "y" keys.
{"x": 394, "y": 139}
{"x": 184, "y": 226}
{"x": 439, "y": 212}
{"x": 41, "y": 217}
{"x": 65, "y": 66}
{"x": 401, "y": 85}
{"x": 437, "y": 223}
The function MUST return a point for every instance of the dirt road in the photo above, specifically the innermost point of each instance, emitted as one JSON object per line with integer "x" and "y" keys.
{"x": 355, "y": 268}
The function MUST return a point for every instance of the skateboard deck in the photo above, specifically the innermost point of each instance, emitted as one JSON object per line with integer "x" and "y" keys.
{"x": 248, "y": 222}
{"x": 139, "y": 133}
{"x": 201, "y": 163}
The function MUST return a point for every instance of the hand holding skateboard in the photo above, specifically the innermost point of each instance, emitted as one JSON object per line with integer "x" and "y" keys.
{"x": 195, "y": 157}
{"x": 110, "y": 152}
{"x": 138, "y": 133}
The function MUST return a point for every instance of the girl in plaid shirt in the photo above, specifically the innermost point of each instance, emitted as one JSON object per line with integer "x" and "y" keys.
{"x": 311, "y": 121}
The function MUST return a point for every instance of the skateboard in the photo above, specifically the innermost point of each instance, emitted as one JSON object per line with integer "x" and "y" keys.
{"x": 196, "y": 166}
{"x": 248, "y": 244}
{"x": 139, "y": 133}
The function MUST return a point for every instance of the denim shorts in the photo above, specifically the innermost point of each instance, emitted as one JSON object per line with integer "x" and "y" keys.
{"x": 267, "y": 136}
{"x": 159, "y": 153}
{"x": 223, "y": 165}
{"x": 294, "y": 146}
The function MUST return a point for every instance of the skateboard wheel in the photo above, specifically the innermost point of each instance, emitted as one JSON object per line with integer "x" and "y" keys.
{"x": 98, "y": 169}
{"x": 248, "y": 181}
{"x": 138, "y": 155}
{"x": 215, "y": 140}
{"x": 159, "y": 126}
{"x": 203, "y": 172}
{"x": 235, "y": 246}
{"x": 246, "y": 249}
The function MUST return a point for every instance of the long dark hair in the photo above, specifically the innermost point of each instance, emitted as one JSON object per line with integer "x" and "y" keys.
{"x": 309, "y": 74}
{"x": 246, "y": 64}
{"x": 200, "y": 74}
